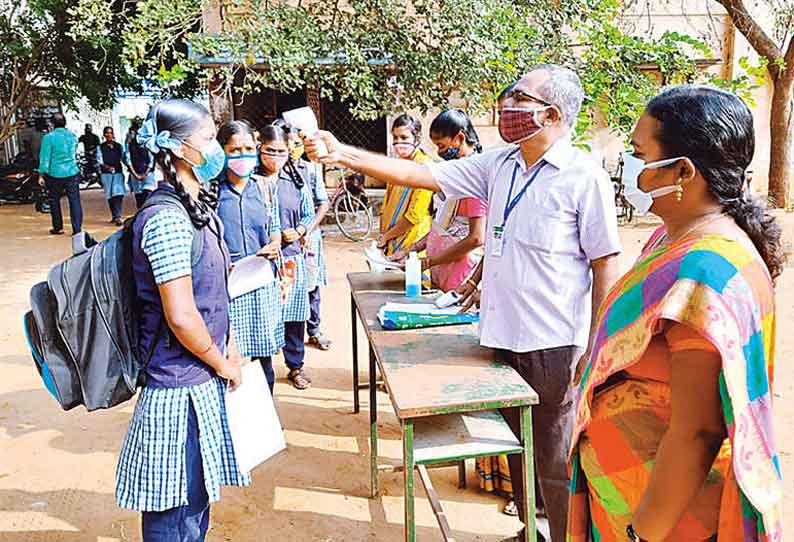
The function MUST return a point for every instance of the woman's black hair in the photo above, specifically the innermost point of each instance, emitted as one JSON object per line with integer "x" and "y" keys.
{"x": 278, "y": 131}
{"x": 714, "y": 129}
{"x": 412, "y": 122}
{"x": 452, "y": 121}
{"x": 231, "y": 128}
{"x": 106, "y": 128}
{"x": 182, "y": 119}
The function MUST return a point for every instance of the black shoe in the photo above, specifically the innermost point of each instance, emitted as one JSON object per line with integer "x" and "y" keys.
{"x": 118, "y": 222}
{"x": 53, "y": 231}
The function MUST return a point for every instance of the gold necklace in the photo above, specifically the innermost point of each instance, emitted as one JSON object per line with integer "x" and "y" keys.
{"x": 703, "y": 221}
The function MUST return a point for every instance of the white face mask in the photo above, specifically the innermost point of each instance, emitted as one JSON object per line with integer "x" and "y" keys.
{"x": 639, "y": 199}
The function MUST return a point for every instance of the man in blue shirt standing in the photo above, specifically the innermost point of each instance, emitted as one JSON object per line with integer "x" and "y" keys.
{"x": 58, "y": 172}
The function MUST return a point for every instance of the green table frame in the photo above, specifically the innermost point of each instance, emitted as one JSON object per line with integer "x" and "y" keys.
{"x": 422, "y": 408}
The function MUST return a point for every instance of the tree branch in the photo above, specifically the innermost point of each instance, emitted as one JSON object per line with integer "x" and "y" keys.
{"x": 750, "y": 29}
{"x": 788, "y": 73}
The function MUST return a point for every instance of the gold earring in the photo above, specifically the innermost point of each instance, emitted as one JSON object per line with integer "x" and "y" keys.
{"x": 679, "y": 193}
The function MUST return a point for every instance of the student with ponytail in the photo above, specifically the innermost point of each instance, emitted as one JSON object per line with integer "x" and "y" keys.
{"x": 178, "y": 450}
{"x": 296, "y": 214}
{"x": 247, "y": 206}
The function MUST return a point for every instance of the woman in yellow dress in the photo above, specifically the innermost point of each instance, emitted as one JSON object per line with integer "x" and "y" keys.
{"x": 405, "y": 216}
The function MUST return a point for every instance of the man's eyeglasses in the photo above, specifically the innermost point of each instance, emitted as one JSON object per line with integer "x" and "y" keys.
{"x": 521, "y": 96}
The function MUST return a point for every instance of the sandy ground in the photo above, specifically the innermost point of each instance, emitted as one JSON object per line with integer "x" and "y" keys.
{"x": 57, "y": 468}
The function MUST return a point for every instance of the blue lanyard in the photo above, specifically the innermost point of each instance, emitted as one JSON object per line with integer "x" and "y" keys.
{"x": 511, "y": 203}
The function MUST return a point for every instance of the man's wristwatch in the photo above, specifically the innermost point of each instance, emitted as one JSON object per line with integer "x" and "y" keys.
{"x": 633, "y": 536}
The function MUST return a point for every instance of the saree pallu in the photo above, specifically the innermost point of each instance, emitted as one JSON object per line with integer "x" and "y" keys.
{"x": 414, "y": 204}
{"x": 721, "y": 289}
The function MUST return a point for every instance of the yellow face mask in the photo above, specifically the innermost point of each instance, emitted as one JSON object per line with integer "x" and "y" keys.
{"x": 296, "y": 151}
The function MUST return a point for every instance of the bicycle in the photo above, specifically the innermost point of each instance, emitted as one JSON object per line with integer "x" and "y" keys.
{"x": 625, "y": 210}
{"x": 89, "y": 172}
{"x": 350, "y": 206}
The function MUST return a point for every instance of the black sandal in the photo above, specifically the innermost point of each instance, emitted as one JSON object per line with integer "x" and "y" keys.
{"x": 299, "y": 379}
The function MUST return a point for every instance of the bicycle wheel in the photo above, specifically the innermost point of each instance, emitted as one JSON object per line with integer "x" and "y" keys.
{"x": 353, "y": 217}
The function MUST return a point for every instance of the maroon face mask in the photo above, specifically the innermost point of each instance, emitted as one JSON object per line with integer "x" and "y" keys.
{"x": 517, "y": 124}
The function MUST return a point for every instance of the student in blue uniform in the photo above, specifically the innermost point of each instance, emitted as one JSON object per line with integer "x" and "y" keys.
{"x": 110, "y": 156}
{"x": 178, "y": 450}
{"x": 296, "y": 213}
{"x": 140, "y": 164}
{"x": 248, "y": 210}
{"x": 317, "y": 274}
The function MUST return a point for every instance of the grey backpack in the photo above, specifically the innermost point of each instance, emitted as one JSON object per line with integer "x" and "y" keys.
{"x": 82, "y": 328}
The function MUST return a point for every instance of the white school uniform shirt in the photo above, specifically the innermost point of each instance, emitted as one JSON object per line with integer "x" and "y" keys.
{"x": 537, "y": 294}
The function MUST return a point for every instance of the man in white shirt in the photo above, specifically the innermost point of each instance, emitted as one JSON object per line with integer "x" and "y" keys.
{"x": 551, "y": 254}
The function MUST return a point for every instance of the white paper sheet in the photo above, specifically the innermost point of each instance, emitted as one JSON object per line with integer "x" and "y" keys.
{"x": 249, "y": 274}
{"x": 377, "y": 261}
{"x": 253, "y": 421}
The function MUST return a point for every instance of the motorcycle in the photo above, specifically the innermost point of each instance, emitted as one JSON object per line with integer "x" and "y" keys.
{"x": 19, "y": 183}
{"x": 89, "y": 172}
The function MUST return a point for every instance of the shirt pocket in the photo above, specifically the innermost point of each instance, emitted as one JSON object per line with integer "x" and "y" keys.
{"x": 542, "y": 232}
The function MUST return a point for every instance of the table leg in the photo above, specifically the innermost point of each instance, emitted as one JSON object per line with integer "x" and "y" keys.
{"x": 528, "y": 473}
{"x": 354, "y": 322}
{"x": 373, "y": 422}
{"x": 408, "y": 477}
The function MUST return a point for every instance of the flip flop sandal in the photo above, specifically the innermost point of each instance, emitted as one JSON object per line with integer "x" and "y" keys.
{"x": 511, "y": 509}
{"x": 320, "y": 341}
{"x": 298, "y": 379}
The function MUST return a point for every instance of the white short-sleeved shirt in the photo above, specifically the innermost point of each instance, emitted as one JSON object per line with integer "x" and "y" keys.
{"x": 537, "y": 294}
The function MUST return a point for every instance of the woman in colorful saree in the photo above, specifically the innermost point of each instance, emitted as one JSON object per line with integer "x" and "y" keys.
{"x": 673, "y": 438}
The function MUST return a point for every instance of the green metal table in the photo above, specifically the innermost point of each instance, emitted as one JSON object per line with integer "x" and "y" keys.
{"x": 446, "y": 391}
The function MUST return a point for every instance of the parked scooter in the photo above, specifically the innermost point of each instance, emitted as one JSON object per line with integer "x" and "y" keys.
{"x": 89, "y": 172}
{"x": 19, "y": 183}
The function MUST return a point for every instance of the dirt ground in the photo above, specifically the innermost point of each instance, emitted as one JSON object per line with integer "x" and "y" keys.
{"x": 57, "y": 468}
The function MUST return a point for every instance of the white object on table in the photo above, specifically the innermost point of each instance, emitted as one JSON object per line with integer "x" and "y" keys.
{"x": 377, "y": 261}
{"x": 256, "y": 431}
{"x": 305, "y": 120}
{"x": 448, "y": 299}
{"x": 249, "y": 274}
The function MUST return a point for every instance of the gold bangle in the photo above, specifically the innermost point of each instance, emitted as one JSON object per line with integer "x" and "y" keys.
{"x": 471, "y": 282}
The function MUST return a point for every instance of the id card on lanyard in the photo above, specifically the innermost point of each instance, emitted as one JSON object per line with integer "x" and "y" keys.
{"x": 498, "y": 232}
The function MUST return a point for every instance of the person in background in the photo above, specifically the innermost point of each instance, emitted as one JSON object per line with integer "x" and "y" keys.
{"x": 405, "y": 215}
{"x": 90, "y": 141}
{"x": 39, "y": 129}
{"x": 247, "y": 206}
{"x": 58, "y": 172}
{"x": 296, "y": 215}
{"x": 457, "y": 233}
{"x": 551, "y": 254}
{"x": 316, "y": 271}
{"x": 110, "y": 156}
{"x": 674, "y": 437}
{"x": 178, "y": 449}
{"x": 140, "y": 165}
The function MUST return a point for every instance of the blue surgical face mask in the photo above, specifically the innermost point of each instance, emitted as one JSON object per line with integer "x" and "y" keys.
{"x": 214, "y": 161}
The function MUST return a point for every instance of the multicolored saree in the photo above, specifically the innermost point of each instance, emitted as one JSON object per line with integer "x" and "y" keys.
{"x": 720, "y": 288}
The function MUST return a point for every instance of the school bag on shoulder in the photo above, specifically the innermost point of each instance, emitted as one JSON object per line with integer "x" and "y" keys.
{"x": 82, "y": 328}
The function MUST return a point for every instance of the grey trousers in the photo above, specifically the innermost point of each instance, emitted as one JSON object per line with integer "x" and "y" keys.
{"x": 549, "y": 372}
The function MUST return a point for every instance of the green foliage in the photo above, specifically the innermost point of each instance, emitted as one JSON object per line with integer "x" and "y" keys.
{"x": 43, "y": 43}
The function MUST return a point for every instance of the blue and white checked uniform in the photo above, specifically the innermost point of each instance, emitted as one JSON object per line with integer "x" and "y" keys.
{"x": 296, "y": 306}
{"x": 256, "y": 317}
{"x": 319, "y": 196}
{"x": 151, "y": 473}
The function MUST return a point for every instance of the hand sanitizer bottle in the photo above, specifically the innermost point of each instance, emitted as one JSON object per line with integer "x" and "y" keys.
{"x": 413, "y": 276}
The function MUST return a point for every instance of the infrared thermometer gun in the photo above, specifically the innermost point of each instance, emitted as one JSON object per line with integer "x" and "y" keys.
{"x": 304, "y": 120}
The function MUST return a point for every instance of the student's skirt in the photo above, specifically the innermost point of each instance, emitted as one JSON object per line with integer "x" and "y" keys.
{"x": 296, "y": 306}
{"x": 257, "y": 323}
{"x": 151, "y": 473}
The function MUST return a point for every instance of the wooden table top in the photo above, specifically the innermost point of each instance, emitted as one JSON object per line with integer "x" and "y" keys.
{"x": 433, "y": 370}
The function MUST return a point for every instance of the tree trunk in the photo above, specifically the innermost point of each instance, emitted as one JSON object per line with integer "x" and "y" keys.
{"x": 781, "y": 155}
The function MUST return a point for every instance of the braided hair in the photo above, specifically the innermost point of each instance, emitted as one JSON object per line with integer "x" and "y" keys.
{"x": 181, "y": 118}
{"x": 714, "y": 129}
